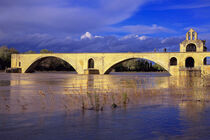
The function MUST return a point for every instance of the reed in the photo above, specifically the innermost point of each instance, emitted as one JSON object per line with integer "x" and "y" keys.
{"x": 114, "y": 105}
{"x": 97, "y": 98}
{"x": 97, "y": 102}
{"x": 125, "y": 98}
{"x": 89, "y": 95}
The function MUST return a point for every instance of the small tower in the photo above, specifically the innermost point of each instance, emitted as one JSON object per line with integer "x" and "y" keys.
{"x": 191, "y": 35}
{"x": 192, "y": 43}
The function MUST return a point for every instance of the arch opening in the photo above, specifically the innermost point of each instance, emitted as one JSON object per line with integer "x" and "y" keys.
{"x": 191, "y": 48}
{"x": 189, "y": 62}
{"x": 206, "y": 60}
{"x": 50, "y": 63}
{"x": 173, "y": 61}
{"x": 135, "y": 65}
{"x": 90, "y": 63}
{"x": 193, "y": 35}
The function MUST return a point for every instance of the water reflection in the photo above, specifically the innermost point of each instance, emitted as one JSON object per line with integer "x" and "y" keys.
{"x": 28, "y": 87}
{"x": 160, "y": 99}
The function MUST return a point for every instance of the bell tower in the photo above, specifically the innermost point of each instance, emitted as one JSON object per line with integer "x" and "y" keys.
{"x": 191, "y": 35}
{"x": 192, "y": 43}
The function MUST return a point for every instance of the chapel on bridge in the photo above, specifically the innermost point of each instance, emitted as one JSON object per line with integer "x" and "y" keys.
{"x": 192, "y": 43}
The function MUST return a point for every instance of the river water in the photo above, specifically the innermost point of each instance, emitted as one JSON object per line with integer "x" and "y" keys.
{"x": 66, "y": 106}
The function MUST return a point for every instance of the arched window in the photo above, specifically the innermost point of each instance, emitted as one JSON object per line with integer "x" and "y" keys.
{"x": 189, "y": 62}
{"x": 173, "y": 61}
{"x": 206, "y": 61}
{"x": 90, "y": 63}
{"x": 191, "y": 48}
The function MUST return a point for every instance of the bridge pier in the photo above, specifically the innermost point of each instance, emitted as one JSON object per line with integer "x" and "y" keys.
{"x": 190, "y": 71}
{"x": 91, "y": 71}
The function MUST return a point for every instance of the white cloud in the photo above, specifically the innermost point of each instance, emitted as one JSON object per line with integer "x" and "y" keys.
{"x": 97, "y": 36}
{"x": 87, "y": 35}
{"x": 205, "y": 28}
{"x": 187, "y": 6}
{"x": 140, "y": 29}
{"x": 66, "y": 16}
{"x": 133, "y": 36}
{"x": 131, "y": 43}
{"x": 142, "y": 37}
{"x": 144, "y": 29}
{"x": 129, "y": 37}
{"x": 68, "y": 37}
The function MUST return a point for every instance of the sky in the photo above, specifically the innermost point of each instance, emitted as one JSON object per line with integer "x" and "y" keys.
{"x": 66, "y": 26}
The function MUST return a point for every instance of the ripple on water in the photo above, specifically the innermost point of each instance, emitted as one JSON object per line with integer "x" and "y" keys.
{"x": 152, "y": 106}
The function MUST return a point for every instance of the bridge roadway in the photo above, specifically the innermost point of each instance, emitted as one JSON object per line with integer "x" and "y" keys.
{"x": 104, "y": 62}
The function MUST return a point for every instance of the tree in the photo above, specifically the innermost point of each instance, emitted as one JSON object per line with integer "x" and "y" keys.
{"x": 53, "y": 64}
{"x": 158, "y": 68}
{"x": 45, "y": 51}
{"x": 1, "y": 64}
{"x": 30, "y": 52}
{"x": 5, "y": 56}
{"x": 138, "y": 65}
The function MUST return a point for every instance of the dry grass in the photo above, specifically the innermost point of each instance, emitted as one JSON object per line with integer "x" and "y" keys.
{"x": 99, "y": 99}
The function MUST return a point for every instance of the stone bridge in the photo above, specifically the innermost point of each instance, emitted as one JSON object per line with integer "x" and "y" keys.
{"x": 104, "y": 62}
{"x": 192, "y": 57}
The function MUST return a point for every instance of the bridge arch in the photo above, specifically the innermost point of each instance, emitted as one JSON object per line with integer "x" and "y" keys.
{"x": 189, "y": 62}
{"x": 191, "y": 48}
{"x": 36, "y": 62}
{"x": 91, "y": 63}
{"x": 111, "y": 66}
{"x": 173, "y": 61}
{"x": 206, "y": 60}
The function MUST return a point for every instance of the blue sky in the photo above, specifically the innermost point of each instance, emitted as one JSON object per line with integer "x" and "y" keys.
{"x": 101, "y": 25}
